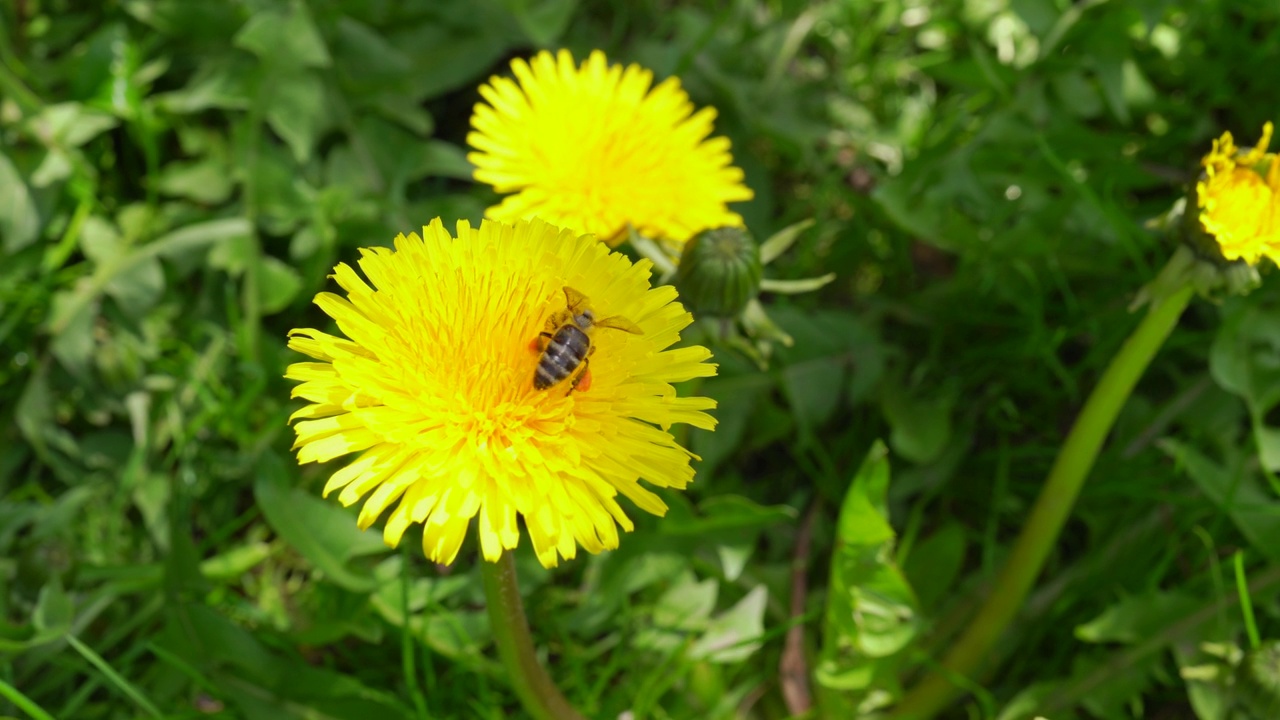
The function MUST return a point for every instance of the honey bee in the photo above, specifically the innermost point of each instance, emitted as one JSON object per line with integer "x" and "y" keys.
{"x": 565, "y": 345}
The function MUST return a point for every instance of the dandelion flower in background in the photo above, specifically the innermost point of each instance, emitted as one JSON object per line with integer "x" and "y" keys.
{"x": 596, "y": 148}
{"x": 433, "y": 384}
{"x": 1239, "y": 199}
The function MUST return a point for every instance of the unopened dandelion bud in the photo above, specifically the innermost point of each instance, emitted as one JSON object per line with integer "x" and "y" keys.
{"x": 1258, "y": 680}
{"x": 720, "y": 271}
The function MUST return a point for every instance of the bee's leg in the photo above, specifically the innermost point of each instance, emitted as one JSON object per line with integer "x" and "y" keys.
{"x": 539, "y": 343}
{"x": 582, "y": 381}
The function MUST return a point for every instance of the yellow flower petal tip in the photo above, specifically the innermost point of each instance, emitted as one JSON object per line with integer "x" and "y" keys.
{"x": 1238, "y": 196}
{"x": 597, "y": 147}
{"x": 433, "y": 384}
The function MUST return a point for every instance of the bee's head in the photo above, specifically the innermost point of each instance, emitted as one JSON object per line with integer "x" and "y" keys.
{"x": 585, "y": 319}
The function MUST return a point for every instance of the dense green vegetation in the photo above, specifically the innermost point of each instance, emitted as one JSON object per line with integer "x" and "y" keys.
{"x": 178, "y": 177}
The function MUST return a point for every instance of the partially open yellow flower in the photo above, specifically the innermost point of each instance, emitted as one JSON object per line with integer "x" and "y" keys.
{"x": 1239, "y": 199}
{"x": 595, "y": 148}
{"x": 435, "y": 387}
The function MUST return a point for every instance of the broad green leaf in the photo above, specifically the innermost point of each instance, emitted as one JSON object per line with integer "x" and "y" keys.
{"x": 1245, "y": 360}
{"x": 137, "y": 287}
{"x": 920, "y": 426}
{"x": 444, "y": 159}
{"x": 543, "y": 21}
{"x": 815, "y": 389}
{"x": 54, "y": 610}
{"x": 1078, "y": 94}
{"x": 284, "y": 38}
{"x": 935, "y": 563}
{"x": 264, "y": 685}
{"x": 69, "y": 124}
{"x": 444, "y": 57}
{"x": 1235, "y": 491}
{"x": 871, "y": 611}
{"x": 206, "y": 181}
{"x": 278, "y": 284}
{"x": 724, "y": 514}
{"x": 220, "y": 82}
{"x": 173, "y": 244}
{"x": 1137, "y": 617}
{"x": 297, "y": 111}
{"x": 736, "y": 634}
{"x": 323, "y": 532}
{"x": 686, "y": 605}
{"x": 735, "y": 398}
{"x": 50, "y": 620}
{"x": 236, "y": 561}
{"x": 19, "y": 219}
{"x": 73, "y": 342}
{"x": 366, "y": 58}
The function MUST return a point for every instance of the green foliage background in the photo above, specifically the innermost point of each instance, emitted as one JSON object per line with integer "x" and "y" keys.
{"x": 177, "y": 177}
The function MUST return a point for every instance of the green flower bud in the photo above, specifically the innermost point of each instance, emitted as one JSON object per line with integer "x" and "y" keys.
{"x": 719, "y": 272}
{"x": 1258, "y": 680}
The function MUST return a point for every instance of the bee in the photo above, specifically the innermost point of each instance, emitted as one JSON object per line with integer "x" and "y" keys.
{"x": 565, "y": 345}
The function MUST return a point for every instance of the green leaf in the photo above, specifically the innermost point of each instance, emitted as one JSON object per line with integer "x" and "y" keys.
{"x": 1235, "y": 491}
{"x": 70, "y": 124}
{"x": 284, "y": 38}
{"x": 218, "y": 82}
{"x": 814, "y": 389}
{"x": 54, "y": 610}
{"x": 137, "y": 287}
{"x": 19, "y": 219}
{"x": 234, "y": 562}
{"x": 935, "y": 563}
{"x": 297, "y": 111}
{"x": 794, "y": 287}
{"x": 323, "y": 532}
{"x": 446, "y": 57}
{"x": 73, "y": 342}
{"x": 722, "y": 514}
{"x": 206, "y": 181}
{"x": 921, "y": 426}
{"x": 735, "y": 397}
{"x": 543, "y": 21}
{"x": 686, "y": 605}
{"x": 1137, "y": 617}
{"x": 1245, "y": 360}
{"x": 278, "y": 284}
{"x": 173, "y": 244}
{"x": 871, "y": 611}
{"x": 736, "y": 634}
{"x": 780, "y": 241}
{"x": 444, "y": 159}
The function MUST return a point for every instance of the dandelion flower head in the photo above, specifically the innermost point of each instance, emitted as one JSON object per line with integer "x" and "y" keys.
{"x": 433, "y": 385}
{"x": 1239, "y": 199}
{"x": 596, "y": 148}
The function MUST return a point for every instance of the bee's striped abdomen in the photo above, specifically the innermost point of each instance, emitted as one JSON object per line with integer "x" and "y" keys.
{"x": 564, "y": 352}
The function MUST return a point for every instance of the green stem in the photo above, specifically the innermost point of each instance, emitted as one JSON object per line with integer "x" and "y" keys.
{"x": 1075, "y": 458}
{"x": 538, "y": 693}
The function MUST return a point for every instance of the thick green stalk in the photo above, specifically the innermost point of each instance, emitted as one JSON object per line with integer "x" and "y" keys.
{"x": 1075, "y": 458}
{"x": 538, "y": 693}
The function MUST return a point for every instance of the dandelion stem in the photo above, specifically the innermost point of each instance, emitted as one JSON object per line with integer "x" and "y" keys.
{"x": 1075, "y": 458}
{"x": 539, "y": 694}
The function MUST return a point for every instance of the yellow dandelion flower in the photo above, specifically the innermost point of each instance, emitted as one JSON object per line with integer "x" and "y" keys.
{"x": 434, "y": 385}
{"x": 1239, "y": 199}
{"x": 595, "y": 148}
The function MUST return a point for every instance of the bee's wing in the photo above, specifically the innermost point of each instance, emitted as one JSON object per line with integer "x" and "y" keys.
{"x": 617, "y": 322}
{"x": 575, "y": 300}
